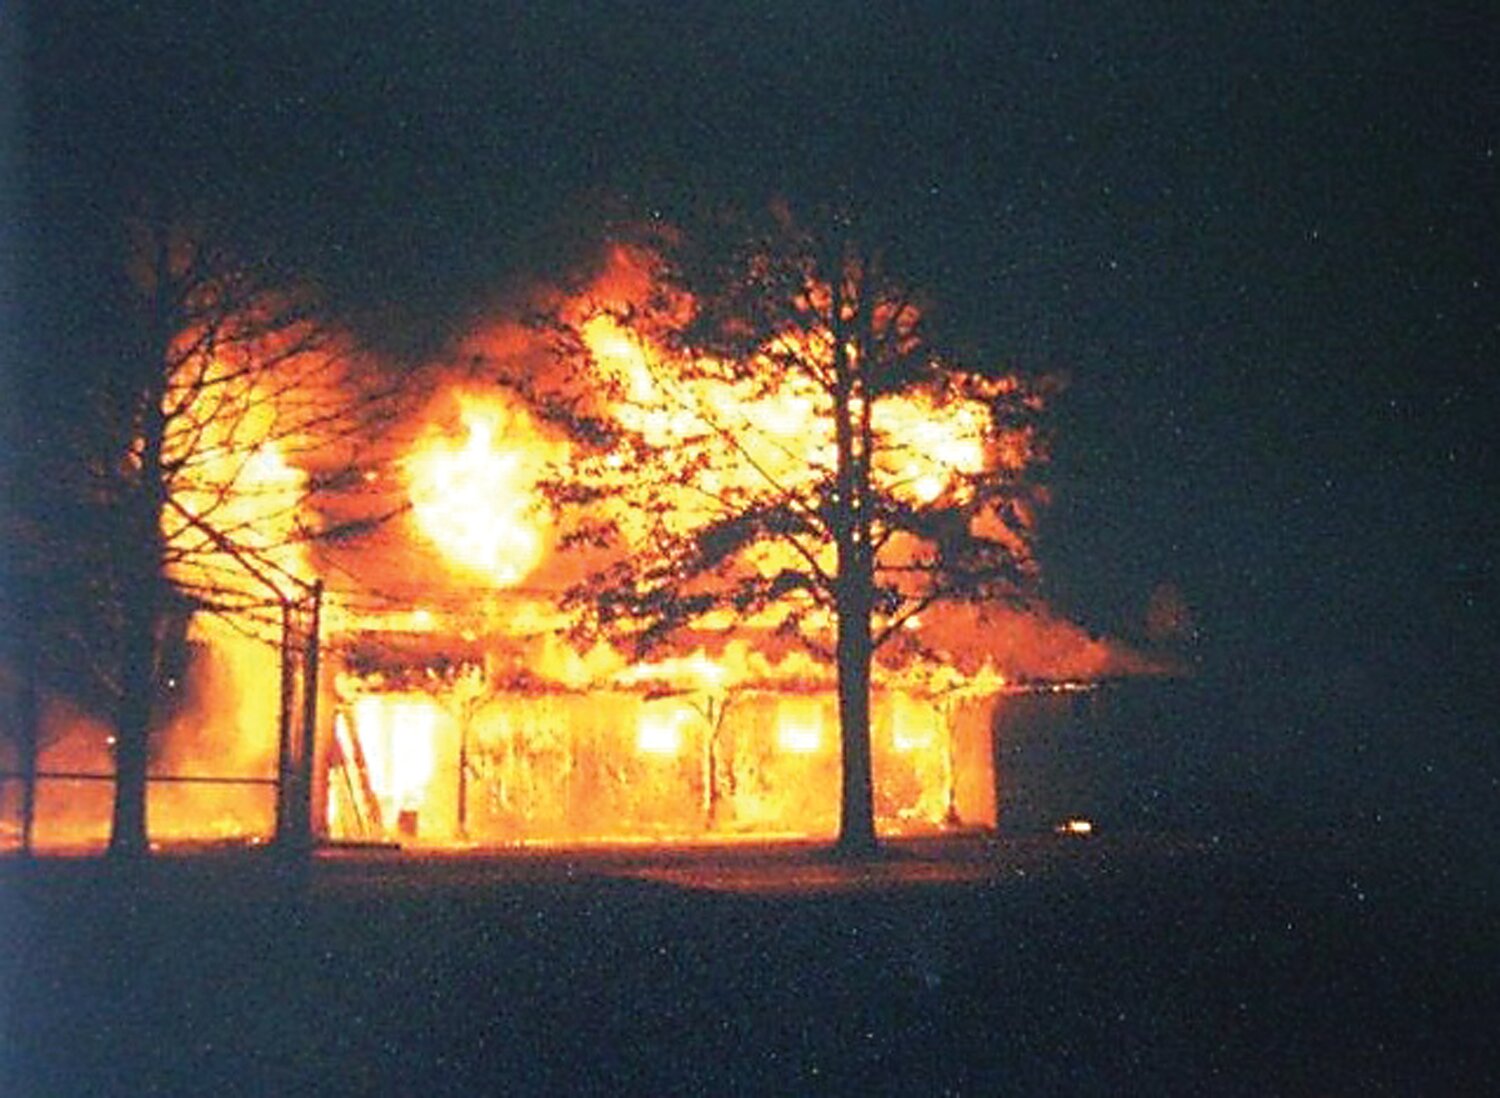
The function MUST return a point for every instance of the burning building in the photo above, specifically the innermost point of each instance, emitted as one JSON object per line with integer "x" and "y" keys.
{"x": 471, "y": 706}
{"x": 436, "y": 742}
{"x": 470, "y": 690}
{"x": 467, "y": 709}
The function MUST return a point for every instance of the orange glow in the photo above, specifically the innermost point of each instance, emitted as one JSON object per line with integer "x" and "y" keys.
{"x": 913, "y": 731}
{"x": 232, "y": 496}
{"x": 233, "y": 538}
{"x": 396, "y": 733}
{"x": 660, "y": 732}
{"x": 927, "y": 444}
{"x": 729, "y": 733}
{"x": 613, "y": 765}
{"x": 799, "y": 726}
{"x": 474, "y": 495}
{"x": 696, "y": 669}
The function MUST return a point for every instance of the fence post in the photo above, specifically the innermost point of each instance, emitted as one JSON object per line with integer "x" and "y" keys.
{"x": 30, "y": 719}
{"x": 285, "y": 771}
{"x": 309, "y": 720}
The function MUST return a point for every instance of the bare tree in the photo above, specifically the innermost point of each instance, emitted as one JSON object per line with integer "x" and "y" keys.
{"x": 771, "y": 440}
{"x": 234, "y": 403}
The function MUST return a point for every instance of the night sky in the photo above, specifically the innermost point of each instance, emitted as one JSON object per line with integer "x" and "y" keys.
{"x": 1259, "y": 240}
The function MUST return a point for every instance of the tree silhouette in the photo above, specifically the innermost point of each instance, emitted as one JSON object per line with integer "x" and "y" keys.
{"x": 769, "y": 439}
{"x": 193, "y": 458}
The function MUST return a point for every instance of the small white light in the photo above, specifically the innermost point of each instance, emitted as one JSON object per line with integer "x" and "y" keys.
{"x": 799, "y": 739}
{"x": 659, "y": 733}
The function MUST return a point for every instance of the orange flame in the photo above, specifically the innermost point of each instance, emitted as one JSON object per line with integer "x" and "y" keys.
{"x": 475, "y": 496}
{"x": 925, "y": 443}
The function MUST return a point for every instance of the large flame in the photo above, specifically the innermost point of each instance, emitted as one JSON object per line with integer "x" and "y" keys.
{"x": 724, "y": 735}
{"x": 474, "y": 492}
{"x": 231, "y": 520}
{"x": 927, "y": 442}
{"x": 397, "y": 735}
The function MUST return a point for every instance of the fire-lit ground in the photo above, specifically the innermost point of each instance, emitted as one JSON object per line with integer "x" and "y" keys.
{"x": 1054, "y": 964}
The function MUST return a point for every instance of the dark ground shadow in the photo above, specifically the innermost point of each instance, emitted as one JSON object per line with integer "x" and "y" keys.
{"x": 1029, "y": 967}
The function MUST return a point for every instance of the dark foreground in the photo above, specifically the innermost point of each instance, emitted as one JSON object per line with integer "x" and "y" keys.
{"x": 1035, "y": 966}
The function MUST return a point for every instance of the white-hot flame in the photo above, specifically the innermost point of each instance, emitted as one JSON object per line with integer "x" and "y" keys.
{"x": 475, "y": 495}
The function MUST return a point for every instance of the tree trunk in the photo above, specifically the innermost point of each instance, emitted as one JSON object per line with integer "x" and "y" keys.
{"x": 141, "y": 599}
{"x": 141, "y": 594}
{"x": 127, "y": 837}
{"x": 857, "y": 800}
{"x": 855, "y": 582}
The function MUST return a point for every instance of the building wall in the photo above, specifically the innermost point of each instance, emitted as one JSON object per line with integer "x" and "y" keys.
{"x": 622, "y": 766}
{"x": 1129, "y": 755}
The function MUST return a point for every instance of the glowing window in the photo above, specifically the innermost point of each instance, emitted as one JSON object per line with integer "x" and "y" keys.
{"x": 659, "y": 731}
{"x": 396, "y": 734}
{"x": 799, "y": 725}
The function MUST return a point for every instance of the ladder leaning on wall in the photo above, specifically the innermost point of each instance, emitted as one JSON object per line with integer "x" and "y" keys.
{"x": 352, "y": 774}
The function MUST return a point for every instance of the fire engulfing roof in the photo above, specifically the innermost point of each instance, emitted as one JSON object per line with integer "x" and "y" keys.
{"x": 960, "y": 649}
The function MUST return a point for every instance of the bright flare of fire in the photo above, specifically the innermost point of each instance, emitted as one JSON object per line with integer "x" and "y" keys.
{"x": 926, "y": 445}
{"x": 396, "y": 733}
{"x": 659, "y": 731}
{"x": 523, "y": 766}
{"x": 914, "y": 728}
{"x": 799, "y": 727}
{"x": 233, "y": 499}
{"x": 250, "y": 499}
{"x": 475, "y": 496}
